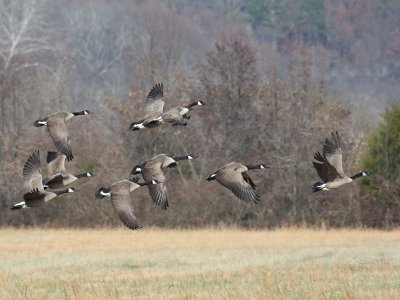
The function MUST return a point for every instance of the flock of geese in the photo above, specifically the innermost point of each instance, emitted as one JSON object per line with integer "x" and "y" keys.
{"x": 233, "y": 175}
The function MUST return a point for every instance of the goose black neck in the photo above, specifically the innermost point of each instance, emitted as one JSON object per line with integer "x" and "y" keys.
{"x": 251, "y": 167}
{"x": 80, "y": 113}
{"x": 61, "y": 192}
{"x": 181, "y": 158}
{"x": 82, "y": 175}
{"x": 191, "y": 105}
{"x": 145, "y": 183}
{"x": 356, "y": 176}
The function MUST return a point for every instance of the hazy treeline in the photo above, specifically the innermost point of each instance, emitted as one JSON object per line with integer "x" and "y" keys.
{"x": 276, "y": 78}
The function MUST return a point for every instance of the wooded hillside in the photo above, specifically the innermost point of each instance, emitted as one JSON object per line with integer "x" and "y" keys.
{"x": 276, "y": 76}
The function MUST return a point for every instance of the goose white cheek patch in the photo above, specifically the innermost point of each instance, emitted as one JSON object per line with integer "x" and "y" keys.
{"x": 104, "y": 194}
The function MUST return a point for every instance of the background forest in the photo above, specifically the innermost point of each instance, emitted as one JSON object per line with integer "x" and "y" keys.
{"x": 277, "y": 77}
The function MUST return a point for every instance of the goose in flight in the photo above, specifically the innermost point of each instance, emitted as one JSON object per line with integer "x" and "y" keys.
{"x": 152, "y": 170}
{"x": 177, "y": 116}
{"x": 121, "y": 199}
{"x": 57, "y": 176}
{"x": 153, "y": 109}
{"x": 329, "y": 166}
{"x": 35, "y": 195}
{"x": 234, "y": 177}
{"x": 58, "y": 130}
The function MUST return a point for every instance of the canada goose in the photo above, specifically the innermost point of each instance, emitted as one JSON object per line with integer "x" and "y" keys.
{"x": 58, "y": 177}
{"x": 35, "y": 195}
{"x": 329, "y": 166}
{"x": 153, "y": 109}
{"x": 175, "y": 116}
{"x": 120, "y": 199}
{"x": 234, "y": 177}
{"x": 152, "y": 169}
{"x": 58, "y": 130}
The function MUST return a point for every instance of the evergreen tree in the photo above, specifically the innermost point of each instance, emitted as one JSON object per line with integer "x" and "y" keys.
{"x": 381, "y": 191}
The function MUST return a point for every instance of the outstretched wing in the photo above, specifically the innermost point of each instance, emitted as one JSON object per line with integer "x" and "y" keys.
{"x": 59, "y": 134}
{"x": 32, "y": 173}
{"x": 55, "y": 163}
{"x": 240, "y": 185}
{"x": 120, "y": 200}
{"x": 333, "y": 153}
{"x": 154, "y": 102}
{"x": 158, "y": 192}
{"x": 324, "y": 169}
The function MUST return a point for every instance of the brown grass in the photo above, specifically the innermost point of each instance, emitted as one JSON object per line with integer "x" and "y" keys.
{"x": 199, "y": 264}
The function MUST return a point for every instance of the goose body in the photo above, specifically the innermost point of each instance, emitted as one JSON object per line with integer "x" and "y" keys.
{"x": 58, "y": 177}
{"x": 234, "y": 176}
{"x": 119, "y": 192}
{"x": 152, "y": 170}
{"x": 329, "y": 166}
{"x": 35, "y": 195}
{"x": 58, "y": 130}
{"x": 176, "y": 116}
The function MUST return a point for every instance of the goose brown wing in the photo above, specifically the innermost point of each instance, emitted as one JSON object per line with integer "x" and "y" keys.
{"x": 324, "y": 169}
{"x": 238, "y": 185}
{"x": 120, "y": 200}
{"x": 158, "y": 192}
{"x": 333, "y": 153}
{"x": 59, "y": 134}
{"x": 32, "y": 173}
{"x": 55, "y": 163}
{"x": 154, "y": 102}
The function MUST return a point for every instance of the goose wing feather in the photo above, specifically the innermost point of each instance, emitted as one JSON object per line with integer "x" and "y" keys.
{"x": 120, "y": 200}
{"x": 324, "y": 169}
{"x": 333, "y": 153}
{"x": 32, "y": 174}
{"x": 158, "y": 192}
{"x": 240, "y": 185}
{"x": 59, "y": 134}
{"x": 154, "y": 102}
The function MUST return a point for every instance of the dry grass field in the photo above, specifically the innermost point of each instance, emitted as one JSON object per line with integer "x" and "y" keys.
{"x": 199, "y": 264}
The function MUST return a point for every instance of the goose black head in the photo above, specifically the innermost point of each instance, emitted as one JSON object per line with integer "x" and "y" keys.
{"x": 211, "y": 177}
{"x": 39, "y": 123}
{"x": 103, "y": 192}
{"x": 136, "y": 170}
